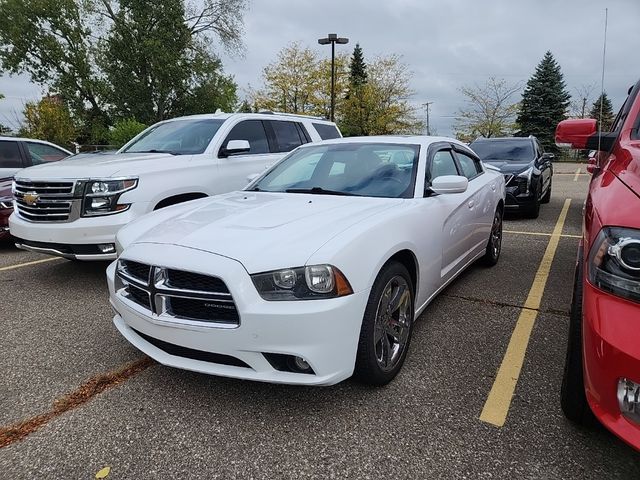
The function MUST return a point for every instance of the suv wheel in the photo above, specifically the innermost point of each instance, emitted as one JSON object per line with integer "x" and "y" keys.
{"x": 572, "y": 396}
{"x": 386, "y": 326}
{"x": 547, "y": 196}
{"x": 533, "y": 210}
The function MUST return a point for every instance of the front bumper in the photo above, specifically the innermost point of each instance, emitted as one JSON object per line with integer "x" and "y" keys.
{"x": 611, "y": 349}
{"x": 515, "y": 199}
{"x": 77, "y": 240}
{"x": 323, "y": 332}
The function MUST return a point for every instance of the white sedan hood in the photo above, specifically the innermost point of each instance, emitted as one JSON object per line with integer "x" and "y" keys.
{"x": 96, "y": 165}
{"x": 263, "y": 231}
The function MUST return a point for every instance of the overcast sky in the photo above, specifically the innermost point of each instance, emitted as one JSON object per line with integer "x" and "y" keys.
{"x": 446, "y": 43}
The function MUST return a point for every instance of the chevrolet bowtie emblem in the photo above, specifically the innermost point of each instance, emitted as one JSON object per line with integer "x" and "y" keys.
{"x": 31, "y": 198}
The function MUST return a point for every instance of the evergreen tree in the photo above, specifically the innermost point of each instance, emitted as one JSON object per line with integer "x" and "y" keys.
{"x": 354, "y": 116}
{"x": 245, "y": 107}
{"x": 357, "y": 68}
{"x": 544, "y": 102}
{"x": 607, "y": 112}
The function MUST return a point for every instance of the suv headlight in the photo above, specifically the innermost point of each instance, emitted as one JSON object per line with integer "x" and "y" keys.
{"x": 302, "y": 283}
{"x": 614, "y": 262}
{"x": 101, "y": 196}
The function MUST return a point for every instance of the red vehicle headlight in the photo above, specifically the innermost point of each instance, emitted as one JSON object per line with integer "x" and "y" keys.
{"x": 614, "y": 262}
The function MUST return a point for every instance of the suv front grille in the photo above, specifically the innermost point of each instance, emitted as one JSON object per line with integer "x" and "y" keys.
{"x": 177, "y": 294}
{"x": 44, "y": 201}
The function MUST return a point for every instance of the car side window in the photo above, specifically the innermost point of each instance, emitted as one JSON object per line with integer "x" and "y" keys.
{"x": 10, "y": 155}
{"x": 287, "y": 135}
{"x": 326, "y": 132}
{"x": 442, "y": 163}
{"x": 41, "y": 153}
{"x": 471, "y": 167}
{"x": 251, "y": 131}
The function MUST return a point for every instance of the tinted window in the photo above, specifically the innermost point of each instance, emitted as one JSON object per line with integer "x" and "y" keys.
{"x": 442, "y": 164}
{"x": 287, "y": 135}
{"x": 363, "y": 169}
{"x": 180, "y": 137}
{"x": 326, "y": 132}
{"x": 470, "y": 167}
{"x": 10, "y": 155}
{"x": 516, "y": 150}
{"x": 41, "y": 153}
{"x": 253, "y": 132}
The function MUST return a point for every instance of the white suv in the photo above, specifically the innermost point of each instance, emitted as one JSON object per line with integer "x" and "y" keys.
{"x": 75, "y": 207}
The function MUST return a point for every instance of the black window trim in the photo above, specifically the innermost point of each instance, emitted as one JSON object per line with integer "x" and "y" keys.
{"x": 431, "y": 151}
{"x": 469, "y": 153}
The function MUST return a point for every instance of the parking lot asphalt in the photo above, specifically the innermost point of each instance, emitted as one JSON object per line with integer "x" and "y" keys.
{"x": 160, "y": 422}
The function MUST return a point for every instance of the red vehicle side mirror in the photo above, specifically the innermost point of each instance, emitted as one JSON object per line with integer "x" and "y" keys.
{"x": 582, "y": 133}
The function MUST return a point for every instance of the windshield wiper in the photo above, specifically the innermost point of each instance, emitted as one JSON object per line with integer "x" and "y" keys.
{"x": 320, "y": 191}
{"x": 154, "y": 151}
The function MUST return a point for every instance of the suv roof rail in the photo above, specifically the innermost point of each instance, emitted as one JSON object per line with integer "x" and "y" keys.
{"x": 285, "y": 114}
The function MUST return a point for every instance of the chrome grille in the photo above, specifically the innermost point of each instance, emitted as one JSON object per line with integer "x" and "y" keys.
{"x": 45, "y": 201}
{"x": 507, "y": 179}
{"x": 179, "y": 295}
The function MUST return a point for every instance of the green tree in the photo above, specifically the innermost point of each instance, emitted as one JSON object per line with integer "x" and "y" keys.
{"x": 50, "y": 120}
{"x": 245, "y": 107}
{"x": 607, "y": 112}
{"x": 488, "y": 112}
{"x": 544, "y": 102}
{"x": 354, "y": 112}
{"x": 125, "y": 130}
{"x": 156, "y": 53}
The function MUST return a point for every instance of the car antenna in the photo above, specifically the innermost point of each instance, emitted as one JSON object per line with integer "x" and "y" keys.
{"x": 604, "y": 53}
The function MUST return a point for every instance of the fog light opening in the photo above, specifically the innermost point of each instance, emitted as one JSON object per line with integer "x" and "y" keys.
{"x": 301, "y": 365}
{"x": 107, "y": 247}
{"x": 629, "y": 399}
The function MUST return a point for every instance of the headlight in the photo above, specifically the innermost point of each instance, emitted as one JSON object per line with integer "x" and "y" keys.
{"x": 526, "y": 174}
{"x": 302, "y": 283}
{"x": 101, "y": 196}
{"x": 614, "y": 262}
{"x": 6, "y": 202}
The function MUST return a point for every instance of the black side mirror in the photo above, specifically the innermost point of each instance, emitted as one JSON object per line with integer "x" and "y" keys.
{"x": 548, "y": 156}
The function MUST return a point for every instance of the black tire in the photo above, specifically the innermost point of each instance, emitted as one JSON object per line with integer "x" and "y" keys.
{"x": 573, "y": 399}
{"x": 547, "y": 196}
{"x": 368, "y": 370}
{"x": 494, "y": 244}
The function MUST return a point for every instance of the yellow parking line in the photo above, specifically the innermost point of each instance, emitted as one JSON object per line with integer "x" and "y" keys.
{"x": 517, "y": 232}
{"x": 498, "y": 402}
{"x": 26, "y": 264}
{"x": 575, "y": 178}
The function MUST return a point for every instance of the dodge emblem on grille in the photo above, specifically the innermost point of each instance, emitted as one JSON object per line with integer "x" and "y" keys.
{"x": 31, "y": 198}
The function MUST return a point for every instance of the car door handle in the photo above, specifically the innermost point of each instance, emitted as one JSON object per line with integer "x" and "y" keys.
{"x": 471, "y": 203}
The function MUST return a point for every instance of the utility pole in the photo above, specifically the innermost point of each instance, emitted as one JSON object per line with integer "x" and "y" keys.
{"x": 426, "y": 107}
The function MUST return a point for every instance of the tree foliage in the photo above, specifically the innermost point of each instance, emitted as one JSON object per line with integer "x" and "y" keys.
{"x": 607, "y": 112}
{"x": 125, "y": 130}
{"x": 354, "y": 113}
{"x": 50, "y": 120}
{"x": 544, "y": 102}
{"x": 112, "y": 59}
{"x": 489, "y": 110}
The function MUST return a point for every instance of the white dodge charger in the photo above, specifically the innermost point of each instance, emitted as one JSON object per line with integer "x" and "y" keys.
{"x": 317, "y": 270}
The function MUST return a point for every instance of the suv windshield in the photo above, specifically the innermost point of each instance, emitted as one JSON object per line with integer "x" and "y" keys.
{"x": 362, "y": 169}
{"x": 179, "y": 137}
{"x": 516, "y": 150}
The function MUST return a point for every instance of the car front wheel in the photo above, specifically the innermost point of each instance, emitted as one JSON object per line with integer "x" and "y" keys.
{"x": 573, "y": 399}
{"x": 386, "y": 326}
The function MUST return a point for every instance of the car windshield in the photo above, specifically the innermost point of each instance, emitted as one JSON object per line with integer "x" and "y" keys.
{"x": 503, "y": 150}
{"x": 362, "y": 169}
{"x": 178, "y": 137}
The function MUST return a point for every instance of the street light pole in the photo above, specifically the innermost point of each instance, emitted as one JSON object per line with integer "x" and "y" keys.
{"x": 332, "y": 39}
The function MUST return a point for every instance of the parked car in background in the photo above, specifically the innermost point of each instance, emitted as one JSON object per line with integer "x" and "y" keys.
{"x": 602, "y": 370}
{"x": 75, "y": 207}
{"x": 6, "y": 207}
{"x": 18, "y": 153}
{"x": 315, "y": 271}
{"x": 527, "y": 170}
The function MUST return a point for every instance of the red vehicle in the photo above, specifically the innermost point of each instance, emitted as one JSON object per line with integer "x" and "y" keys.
{"x": 6, "y": 207}
{"x": 602, "y": 370}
